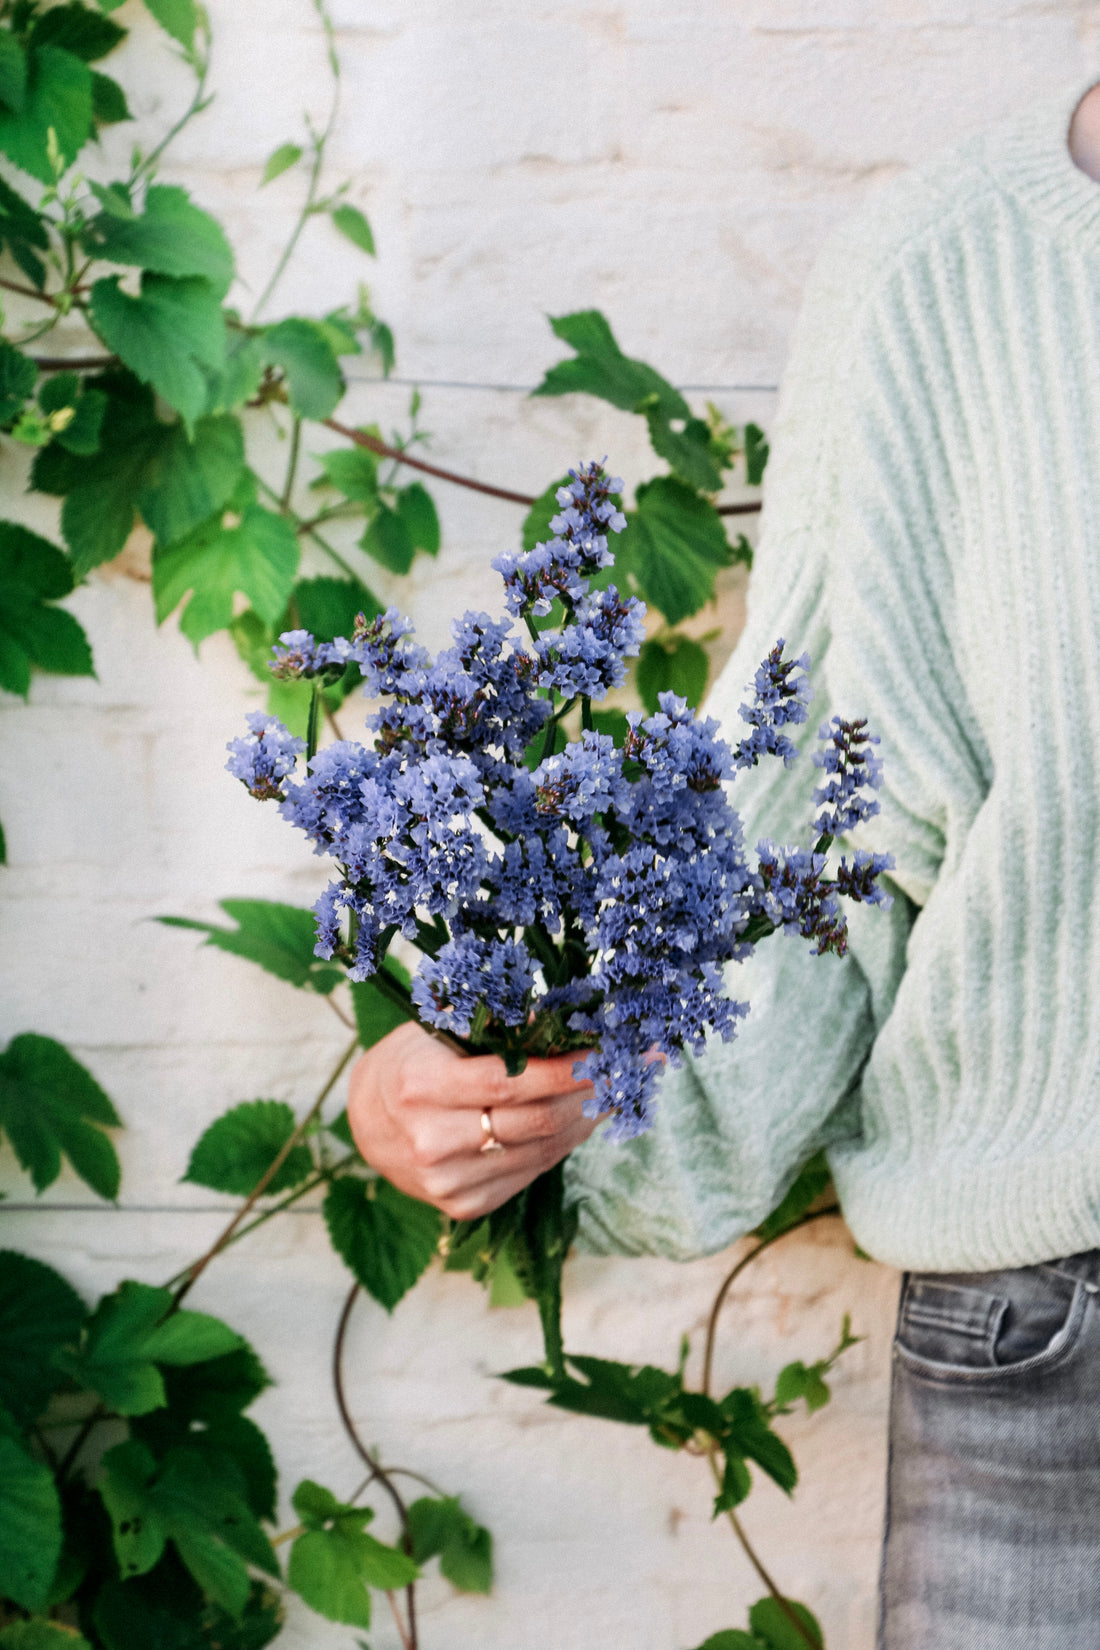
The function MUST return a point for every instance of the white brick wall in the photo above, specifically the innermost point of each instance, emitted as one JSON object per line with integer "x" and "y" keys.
{"x": 677, "y": 163}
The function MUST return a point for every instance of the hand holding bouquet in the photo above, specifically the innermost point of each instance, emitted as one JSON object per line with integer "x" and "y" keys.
{"x": 568, "y": 896}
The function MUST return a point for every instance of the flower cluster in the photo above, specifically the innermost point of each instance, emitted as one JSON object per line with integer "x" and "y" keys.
{"x": 779, "y": 697}
{"x": 584, "y": 899}
{"x": 847, "y": 756}
{"x": 264, "y": 757}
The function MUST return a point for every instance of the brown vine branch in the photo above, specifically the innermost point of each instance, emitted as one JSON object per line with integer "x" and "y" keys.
{"x": 373, "y": 445}
{"x": 712, "y": 1454}
{"x": 74, "y": 363}
{"x": 195, "y": 1271}
{"x": 400, "y": 456}
{"x": 377, "y": 1471}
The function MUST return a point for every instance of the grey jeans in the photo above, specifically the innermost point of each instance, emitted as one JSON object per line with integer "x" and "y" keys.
{"x": 993, "y": 1511}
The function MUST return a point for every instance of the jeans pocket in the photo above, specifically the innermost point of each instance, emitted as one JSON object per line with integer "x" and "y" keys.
{"x": 988, "y": 1325}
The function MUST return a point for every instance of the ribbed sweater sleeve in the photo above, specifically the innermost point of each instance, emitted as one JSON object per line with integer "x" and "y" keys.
{"x": 853, "y": 566}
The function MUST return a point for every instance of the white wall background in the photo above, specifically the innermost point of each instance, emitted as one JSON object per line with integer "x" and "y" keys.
{"x": 677, "y": 163}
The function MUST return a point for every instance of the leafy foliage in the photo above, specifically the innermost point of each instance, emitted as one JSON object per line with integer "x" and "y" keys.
{"x": 334, "y": 1562}
{"x": 385, "y": 1238}
{"x": 236, "y": 1150}
{"x": 130, "y": 1334}
{"x": 35, "y": 635}
{"x": 440, "y": 1527}
{"x": 280, "y": 938}
{"x": 50, "y": 1107}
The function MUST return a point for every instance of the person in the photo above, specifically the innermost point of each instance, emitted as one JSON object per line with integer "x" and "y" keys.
{"x": 931, "y": 534}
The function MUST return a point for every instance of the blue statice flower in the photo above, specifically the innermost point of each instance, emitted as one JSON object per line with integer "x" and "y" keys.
{"x": 470, "y": 973}
{"x": 263, "y": 758}
{"x": 382, "y": 650}
{"x": 859, "y": 881}
{"x": 561, "y": 567}
{"x": 848, "y": 757}
{"x": 299, "y": 657}
{"x": 582, "y": 780}
{"x": 589, "y": 656}
{"x": 779, "y": 698}
{"x": 796, "y": 897}
{"x": 589, "y": 902}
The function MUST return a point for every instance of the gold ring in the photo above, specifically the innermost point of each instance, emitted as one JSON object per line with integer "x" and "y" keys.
{"x": 490, "y": 1142}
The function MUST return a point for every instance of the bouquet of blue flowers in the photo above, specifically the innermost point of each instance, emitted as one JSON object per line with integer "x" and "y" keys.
{"x": 565, "y": 894}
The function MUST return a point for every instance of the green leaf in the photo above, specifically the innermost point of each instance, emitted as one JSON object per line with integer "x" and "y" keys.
{"x": 687, "y": 449}
{"x": 34, "y": 572}
{"x": 756, "y": 454}
{"x": 184, "y": 482}
{"x": 600, "y": 368}
{"x": 749, "y": 1434}
{"x": 214, "y": 1390}
{"x": 381, "y": 338}
{"x": 811, "y": 1181}
{"x": 22, "y": 229}
{"x": 51, "y": 1106}
{"x": 389, "y": 541}
{"x": 736, "y": 1483}
{"x": 194, "y": 1500}
{"x": 351, "y": 222}
{"x": 13, "y": 72}
{"x": 171, "y": 237}
{"x": 241, "y": 376}
{"x": 170, "y": 336}
{"x": 441, "y": 1527}
{"x": 280, "y": 938}
{"x": 41, "y": 1635}
{"x": 417, "y": 510}
{"x": 386, "y": 1238}
{"x": 39, "y": 1314}
{"x": 234, "y": 1153}
{"x": 798, "y": 1380}
{"x": 109, "y": 105}
{"x": 772, "y": 1626}
{"x": 256, "y": 553}
{"x": 613, "y": 723}
{"x": 731, "y": 1638}
{"x": 130, "y": 1333}
{"x": 673, "y": 664}
{"x": 80, "y": 30}
{"x": 139, "y": 462}
{"x": 164, "y": 1610}
{"x": 58, "y": 97}
{"x": 376, "y": 1013}
{"x": 302, "y": 349}
{"x": 335, "y": 1562}
{"x": 179, "y": 18}
{"x": 280, "y": 161}
{"x": 65, "y": 392}
{"x": 538, "y": 1247}
{"x": 329, "y": 607}
{"x": 353, "y": 471}
{"x": 18, "y": 375}
{"x": 30, "y": 1527}
{"x": 678, "y": 545}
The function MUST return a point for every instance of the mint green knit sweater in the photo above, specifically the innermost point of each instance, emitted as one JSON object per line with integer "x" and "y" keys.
{"x": 931, "y": 534}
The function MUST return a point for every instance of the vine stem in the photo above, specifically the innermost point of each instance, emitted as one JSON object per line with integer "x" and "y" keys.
{"x": 401, "y": 456}
{"x": 195, "y": 1271}
{"x": 377, "y": 1471}
{"x": 712, "y": 1454}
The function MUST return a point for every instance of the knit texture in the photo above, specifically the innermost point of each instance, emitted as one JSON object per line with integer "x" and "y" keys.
{"x": 931, "y": 535}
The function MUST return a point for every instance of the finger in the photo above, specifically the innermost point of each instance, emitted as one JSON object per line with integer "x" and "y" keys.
{"x": 484, "y": 1186}
{"x": 441, "y": 1076}
{"x": 439, "y": 1136}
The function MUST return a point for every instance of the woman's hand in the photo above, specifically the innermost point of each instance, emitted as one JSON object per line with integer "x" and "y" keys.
{"x": 415, "y": 1110}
